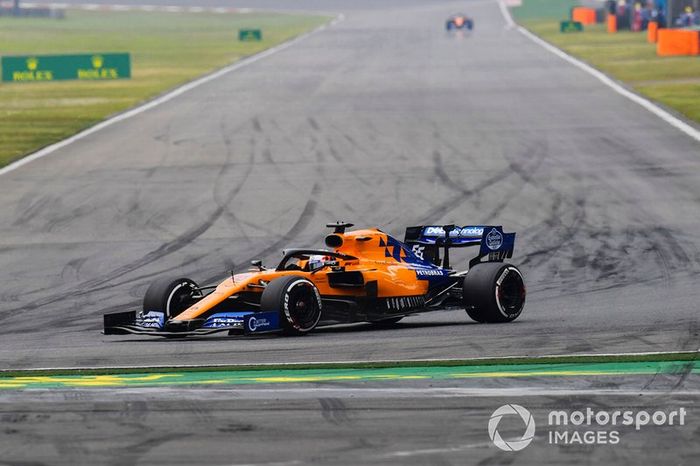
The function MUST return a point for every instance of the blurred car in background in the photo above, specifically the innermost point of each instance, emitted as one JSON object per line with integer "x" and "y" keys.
{"x": 459, "y": 21}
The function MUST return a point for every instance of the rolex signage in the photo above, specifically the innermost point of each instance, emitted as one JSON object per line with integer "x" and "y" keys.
{"x": 84, "y": 67}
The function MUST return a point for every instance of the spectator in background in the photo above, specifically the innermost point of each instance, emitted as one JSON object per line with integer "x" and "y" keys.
{"x": 660, "y": 6}
{"x": 623, "y": 16}
{"x": 686, "y": 19}
{"x": 610, "y": 6}
{"x": 636, "y": 25}
{"x": 658, "y": 14}
{"x": 646, "y": 15}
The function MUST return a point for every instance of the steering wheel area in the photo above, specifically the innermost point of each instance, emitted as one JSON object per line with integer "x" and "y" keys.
{"x": 310, "y": 260}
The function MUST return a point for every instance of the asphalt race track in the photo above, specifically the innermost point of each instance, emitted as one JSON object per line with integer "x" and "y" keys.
{"x": 382, "y": 119}
{"x": 382, "y": 423}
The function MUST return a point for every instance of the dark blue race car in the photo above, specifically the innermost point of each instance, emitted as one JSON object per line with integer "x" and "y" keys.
{"x": 459, "y": 21}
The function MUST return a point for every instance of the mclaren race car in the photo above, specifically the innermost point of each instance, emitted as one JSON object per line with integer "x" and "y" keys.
{"x": 459, "y": 21}
{"x": 362, "y": 276}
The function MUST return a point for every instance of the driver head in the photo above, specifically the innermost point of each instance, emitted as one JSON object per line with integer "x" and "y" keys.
{"x": 315, "y": 262}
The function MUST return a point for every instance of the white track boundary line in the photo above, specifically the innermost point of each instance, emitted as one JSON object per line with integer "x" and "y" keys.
{"x": 501, "y": 360}
{"x": 164, "y": 98}
{"x": 602, "y": 77}
{"x": 506, "y": 14}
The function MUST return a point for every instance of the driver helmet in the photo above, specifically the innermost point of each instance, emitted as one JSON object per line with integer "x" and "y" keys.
{"x": 316, "y": 262}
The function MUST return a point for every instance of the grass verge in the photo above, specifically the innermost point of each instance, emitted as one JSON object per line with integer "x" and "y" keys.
{"x": 625, "y": 56}
{"x": 503, "y": 361}
{"x": 167, "y": 49}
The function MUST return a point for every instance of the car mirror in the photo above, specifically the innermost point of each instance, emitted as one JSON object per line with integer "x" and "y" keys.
{"x": 257, "y": 263}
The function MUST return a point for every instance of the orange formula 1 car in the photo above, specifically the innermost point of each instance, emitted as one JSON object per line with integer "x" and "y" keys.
{"x": 363, "y": 276}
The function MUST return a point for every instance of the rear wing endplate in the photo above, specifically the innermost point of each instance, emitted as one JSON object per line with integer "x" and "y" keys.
{"x": 492, "y": 241}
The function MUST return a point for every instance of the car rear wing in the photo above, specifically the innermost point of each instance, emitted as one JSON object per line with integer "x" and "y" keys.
{"x": 426, "y": 241}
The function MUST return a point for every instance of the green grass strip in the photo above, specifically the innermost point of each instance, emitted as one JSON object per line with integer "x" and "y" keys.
{"x": 544, "y": 9}
{"x": 626, "y": 56}
{"x": 689, "y": 356}
{"x": 167, "y": 50}
{"x": 283, "y": 376}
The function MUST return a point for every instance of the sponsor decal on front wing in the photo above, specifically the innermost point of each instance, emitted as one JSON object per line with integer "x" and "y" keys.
{"x": 151, "y": 319}
{"x": 262, "y": 322}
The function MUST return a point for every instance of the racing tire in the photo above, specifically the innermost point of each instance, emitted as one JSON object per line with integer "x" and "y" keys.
{"x": 494, "y": 292}
{"x": 298, "y": 302}
{"x": 170, "y": 296}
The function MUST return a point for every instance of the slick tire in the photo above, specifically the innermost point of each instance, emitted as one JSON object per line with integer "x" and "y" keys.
{"x": 170, "y": 296}
{"x": 298, "y": 302}
{"x": 494, "y": 292}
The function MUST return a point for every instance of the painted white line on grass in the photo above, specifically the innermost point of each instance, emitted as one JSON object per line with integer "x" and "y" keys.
{"x": 602, "y": 77}
{"x": 163, "y": 99}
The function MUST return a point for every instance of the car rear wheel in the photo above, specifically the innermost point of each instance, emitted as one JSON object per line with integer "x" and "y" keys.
{"x": 297, "y": 300}
{"x": 170, "y": 296}
{"x": 494, "y": 292}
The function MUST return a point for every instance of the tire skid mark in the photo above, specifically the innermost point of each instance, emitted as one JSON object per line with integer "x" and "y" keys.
{"x": 104, "y": 283}
{"x": 463, "y": 194}
{"x": 656, "y": 240}
{"x": 345, "y": 161}
{"x": 303, "y": 221}
{"x": 164, "y": 250}
{"x": 534, "y": 156}
{"x": 439, "y": 172}
{"x": 71, "y": 271}
{"x": 554, "y": 222}
{"x": 224, "y": 201}
{"x": 164, "y": 139}
{"x": 564, "y": 220}
{"x": 313, "y": 123}
{"x": 334, "y": 411}
{"x": 30, "y": 206}
{"x": 635, "y": 248}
